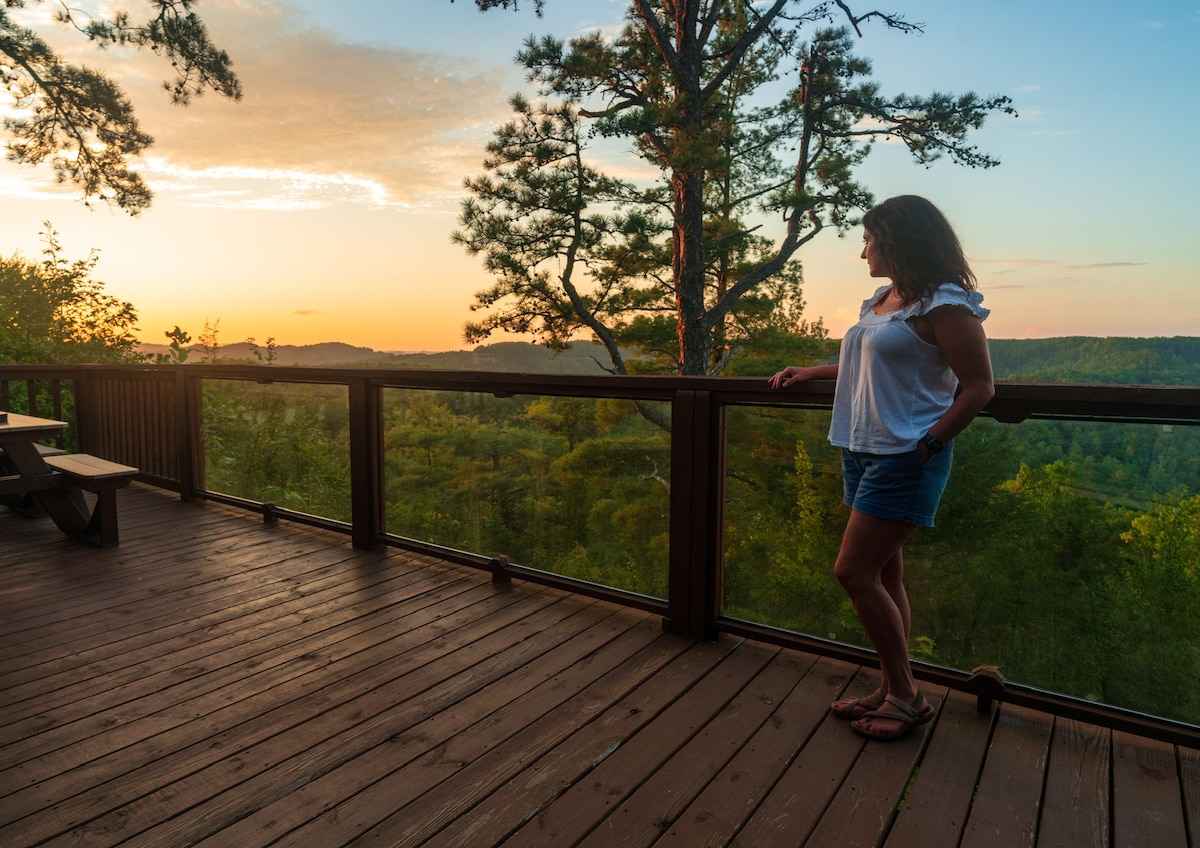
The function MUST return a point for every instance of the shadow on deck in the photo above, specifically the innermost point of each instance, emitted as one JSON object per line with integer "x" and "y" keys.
{"x": 216, "y": 681}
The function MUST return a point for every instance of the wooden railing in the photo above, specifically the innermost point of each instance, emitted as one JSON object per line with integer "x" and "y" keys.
{"x": 151, "y": 417}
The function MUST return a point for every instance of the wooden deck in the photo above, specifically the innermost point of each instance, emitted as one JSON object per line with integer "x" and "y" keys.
{"x": 220, "y": 682}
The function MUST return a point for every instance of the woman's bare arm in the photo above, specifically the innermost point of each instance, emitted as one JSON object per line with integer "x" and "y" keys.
{"x": 960, "y": 336}
{"x": 796, "y": 374}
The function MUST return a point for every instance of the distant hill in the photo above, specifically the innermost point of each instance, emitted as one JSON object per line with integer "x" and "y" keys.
{"x": 1164, "y": 361}
{"x": 516, "y": 357}
{"x": 1173, "y": 361}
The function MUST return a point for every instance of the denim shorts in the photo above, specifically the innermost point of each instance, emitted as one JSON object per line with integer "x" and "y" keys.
{"x": 896, "y": 486}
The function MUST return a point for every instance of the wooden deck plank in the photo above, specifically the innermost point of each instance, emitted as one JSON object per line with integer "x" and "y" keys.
{"x": 938, "y": 801}
{"x": 306, "y": 737}
{"x": 547, "y": 778}
{"x": 732, "y": 796}
{"x": 791, "y": 810}
{"x": 372, "y": 787}
{"x": 328, "y": 745}
{"x": 117, "y": 587}
{"x": 107, "y": 622}
{"x": 658, "y": 803}
{"x": 865, "y": 806}
{"x": 1148, "y": 801}
{"x": 179, "y": 692}
{"x": 46, "y": 562}
{"x": 500, "y": 762}
{"x": 196, "y": 751}
{"x": 262, "y": 638}
{"x": 1076, "y": 806}
{"x": 213, "y": 619}
{"x": 588, "y": 803}
{"x": 216, "y": 681}
{"x": 1008, "y": 807}
{"x": 255, "y": 628}
{"x": 1189, "y": 778}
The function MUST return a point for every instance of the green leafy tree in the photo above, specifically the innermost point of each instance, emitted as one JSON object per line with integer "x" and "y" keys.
{"x": 178, "y": 352}
{"x": 665, "y": 266}
{"x": 1156, "y": 598}
{"x": 79, "y": 119}
{"x": 55, "y": 311}
{"x": 1031, "y": 593}
{"x": 283, "y": 444}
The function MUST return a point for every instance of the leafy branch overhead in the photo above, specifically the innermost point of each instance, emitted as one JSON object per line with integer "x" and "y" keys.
{"x": 78, "y": 119}
{"x": 744, "y": 123}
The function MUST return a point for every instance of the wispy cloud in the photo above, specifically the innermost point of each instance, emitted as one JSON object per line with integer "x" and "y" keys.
{"x": 1108, "y": 265}
{"x": 1015, "y": 264}
{"x": 322, "y": 121}
{"x": 1025, "y": 263}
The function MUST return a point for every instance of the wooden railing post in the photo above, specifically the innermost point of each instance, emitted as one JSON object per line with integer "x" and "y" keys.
{"x": 189, "y": 433}
{"x": 366, "y": 462}
{"x": 88, "y": 418}
{"x": 694, "y": 594}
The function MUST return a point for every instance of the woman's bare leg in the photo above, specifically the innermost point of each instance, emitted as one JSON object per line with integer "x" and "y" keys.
{"x": 892, "y": 578}
{"x": 870, "y": 567}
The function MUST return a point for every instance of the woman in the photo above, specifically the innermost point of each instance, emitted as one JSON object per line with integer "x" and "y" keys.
{"x": 911, "y": 375}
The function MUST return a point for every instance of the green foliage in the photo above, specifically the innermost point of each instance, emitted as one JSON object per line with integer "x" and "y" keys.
{"x": 76, "y": 117}
{"x": 1158, "y": 596}
{"x": 54, "y": 311}
{"x": 1127, "y": 464}
{"x": 1043, "y": 613}
{"x": 547, "y": 482}
{"x": 279, "y": 443}
{"x": 783, "y": 518}
{"x": 178, "y": 352}
{"x": 1132, "y": 361}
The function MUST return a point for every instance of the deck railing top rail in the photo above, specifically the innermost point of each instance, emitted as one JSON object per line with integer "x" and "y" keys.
{"x": 1014, "y": 400}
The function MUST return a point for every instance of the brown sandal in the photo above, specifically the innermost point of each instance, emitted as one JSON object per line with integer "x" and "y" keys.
{"x": 910, "y": 715}
{"x": 852, "y": 708}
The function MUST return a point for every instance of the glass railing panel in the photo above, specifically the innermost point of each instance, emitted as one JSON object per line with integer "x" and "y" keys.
{"x": 783, "y": 522}
{"x": 1067, "y": 554}
{"x": 573, "y": 486}
{"x": 281, "y": 443}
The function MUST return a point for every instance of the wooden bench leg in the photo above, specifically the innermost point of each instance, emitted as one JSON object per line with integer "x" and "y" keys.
{"x": 70, "y": 512}
{"x": 102, "y": 529}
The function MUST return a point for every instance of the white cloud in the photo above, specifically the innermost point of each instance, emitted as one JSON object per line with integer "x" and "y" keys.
{"x": 321, "y": 121}
{"x": 264, "y": 188}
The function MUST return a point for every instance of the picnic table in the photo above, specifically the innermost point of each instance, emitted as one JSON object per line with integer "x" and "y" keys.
{"x": 38, "y": 478}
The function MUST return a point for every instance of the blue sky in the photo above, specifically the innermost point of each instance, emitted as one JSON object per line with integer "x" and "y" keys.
{"x": 320, "y": 207}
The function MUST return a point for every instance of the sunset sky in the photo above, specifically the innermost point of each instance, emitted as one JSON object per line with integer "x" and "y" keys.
{"x": 319, "y": 208}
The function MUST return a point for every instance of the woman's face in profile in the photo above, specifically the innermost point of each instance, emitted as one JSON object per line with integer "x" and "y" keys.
{"x": 870, "y": 252}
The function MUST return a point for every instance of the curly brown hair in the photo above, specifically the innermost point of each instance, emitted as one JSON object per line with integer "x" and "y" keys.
{"x": 918, "y": 246}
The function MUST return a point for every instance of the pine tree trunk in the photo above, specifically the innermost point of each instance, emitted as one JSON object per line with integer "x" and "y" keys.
{"x": 688, "y": 186}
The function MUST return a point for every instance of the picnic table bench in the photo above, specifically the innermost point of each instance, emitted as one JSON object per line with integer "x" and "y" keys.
{"x": 38, "y": 478}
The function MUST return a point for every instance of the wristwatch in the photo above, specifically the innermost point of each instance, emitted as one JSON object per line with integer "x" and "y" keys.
{"x": 932, "y": 443}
